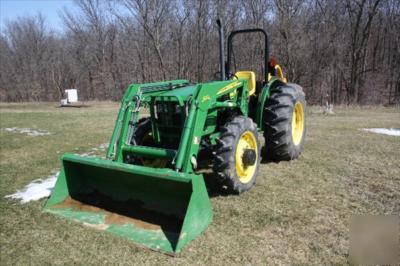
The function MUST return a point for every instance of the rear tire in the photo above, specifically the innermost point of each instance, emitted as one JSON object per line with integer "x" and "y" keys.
{"x": 284, "y": 123}
{"x": 237, "y": 157}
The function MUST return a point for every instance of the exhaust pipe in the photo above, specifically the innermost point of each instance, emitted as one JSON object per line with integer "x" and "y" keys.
{"x": 221, "y": 49}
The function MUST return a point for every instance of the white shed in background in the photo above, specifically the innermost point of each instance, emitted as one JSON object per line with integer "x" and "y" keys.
{"x": 71, "y": 99}
{"x": 72, "y": 95}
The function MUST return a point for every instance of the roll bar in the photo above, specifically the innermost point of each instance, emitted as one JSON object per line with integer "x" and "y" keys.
{"x": 266, "y": 49}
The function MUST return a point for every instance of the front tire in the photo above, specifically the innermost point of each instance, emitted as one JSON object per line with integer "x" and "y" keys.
{"x": 237, "y": 156}
{"x": 284, "y": 123}
{"x": 143, "y": 137}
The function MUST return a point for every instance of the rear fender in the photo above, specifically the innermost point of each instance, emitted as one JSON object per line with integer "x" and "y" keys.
{"x": 265, "y": 94}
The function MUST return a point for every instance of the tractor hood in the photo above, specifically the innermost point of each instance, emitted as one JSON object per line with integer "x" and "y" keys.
{"x": 183, "y": 92}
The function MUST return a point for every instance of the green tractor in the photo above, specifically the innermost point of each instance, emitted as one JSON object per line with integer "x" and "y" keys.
{"x": 149, "y": 189}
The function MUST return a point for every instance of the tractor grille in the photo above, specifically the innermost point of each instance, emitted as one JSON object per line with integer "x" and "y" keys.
{"x": 170, "y": 117}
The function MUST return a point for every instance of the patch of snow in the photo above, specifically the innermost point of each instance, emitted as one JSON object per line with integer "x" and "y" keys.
{"x": 385, "y": 131}
{"x": 103, "y": 146}
{"x": 93, "y": 150}
{"x": 40, "y": 188}
{"x": 36, "y": 190}
{"x": 28, "y": 131}
{"x": 86, "y": 154}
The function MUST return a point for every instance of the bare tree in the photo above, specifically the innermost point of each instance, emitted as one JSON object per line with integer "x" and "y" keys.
{"x": 344, "y": 51}
{"x": 361, "y": 14}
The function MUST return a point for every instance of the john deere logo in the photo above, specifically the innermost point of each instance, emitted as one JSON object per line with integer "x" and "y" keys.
{"x": 230, "y": 86}
{"x": 205, "y": 98}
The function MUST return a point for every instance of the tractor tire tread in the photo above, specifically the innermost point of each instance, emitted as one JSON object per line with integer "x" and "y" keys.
{"x": 277, "y": 119}
{"x": 224, "y": 162}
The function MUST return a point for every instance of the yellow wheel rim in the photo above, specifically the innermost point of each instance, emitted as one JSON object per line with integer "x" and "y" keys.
{"x": 246, "y": 141}
{"x": 155, "y": 163}
{"x": 297, "y": 123}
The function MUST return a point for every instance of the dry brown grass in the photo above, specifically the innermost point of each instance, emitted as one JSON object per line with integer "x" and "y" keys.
{"x": 298, "y": 213}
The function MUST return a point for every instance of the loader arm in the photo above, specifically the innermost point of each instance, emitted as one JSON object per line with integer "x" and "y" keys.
{"x": 206, "y": 99}
{"x": 128, "y": 112}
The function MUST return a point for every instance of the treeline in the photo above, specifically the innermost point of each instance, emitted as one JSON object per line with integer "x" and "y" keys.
{"x": 347, "y": 51}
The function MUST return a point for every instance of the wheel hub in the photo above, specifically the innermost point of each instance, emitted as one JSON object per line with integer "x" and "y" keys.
{"x": 249, "y": 157}
{"x": 246, "y": 157}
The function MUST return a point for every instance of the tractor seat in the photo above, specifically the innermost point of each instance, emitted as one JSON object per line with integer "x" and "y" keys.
{"x": 250, "y": 76}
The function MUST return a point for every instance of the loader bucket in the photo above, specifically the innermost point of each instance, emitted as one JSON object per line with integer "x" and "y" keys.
{"x": 157, "y": 208}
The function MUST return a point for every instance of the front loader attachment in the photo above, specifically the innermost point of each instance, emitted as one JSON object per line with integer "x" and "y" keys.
{"x": 157, "y": 208}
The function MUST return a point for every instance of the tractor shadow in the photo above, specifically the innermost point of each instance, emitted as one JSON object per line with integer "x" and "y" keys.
{"x": 265, "y": 160}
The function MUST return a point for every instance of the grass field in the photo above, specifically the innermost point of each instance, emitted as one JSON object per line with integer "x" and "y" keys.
{"x": 298, "y": 213}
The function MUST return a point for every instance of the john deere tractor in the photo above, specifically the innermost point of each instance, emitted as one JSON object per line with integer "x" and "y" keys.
{"x": 149, "y": 189}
